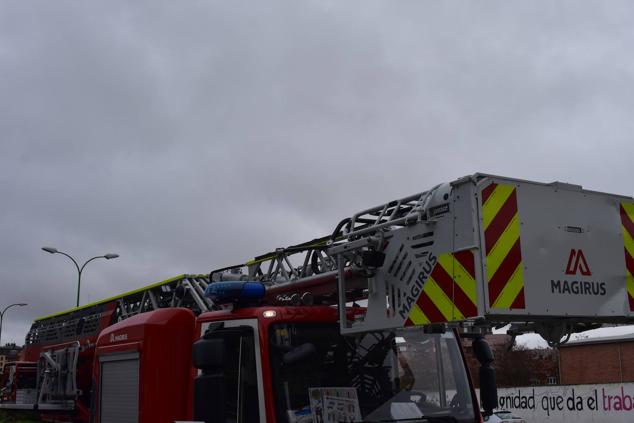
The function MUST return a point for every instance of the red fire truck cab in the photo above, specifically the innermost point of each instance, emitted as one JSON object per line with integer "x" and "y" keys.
{"x": 275, "y": 364}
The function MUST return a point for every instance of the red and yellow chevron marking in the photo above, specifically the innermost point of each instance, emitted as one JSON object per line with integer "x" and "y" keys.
{"x": 504, "y": 273}
{"x": 627, "y": 225}
{"x": 445, "y": 297}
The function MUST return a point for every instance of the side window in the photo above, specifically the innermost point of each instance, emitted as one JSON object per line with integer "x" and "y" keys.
{"x": 226, "y": 388}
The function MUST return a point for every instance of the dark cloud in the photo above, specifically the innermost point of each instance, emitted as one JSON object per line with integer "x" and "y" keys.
{"x": 187, "y": 137}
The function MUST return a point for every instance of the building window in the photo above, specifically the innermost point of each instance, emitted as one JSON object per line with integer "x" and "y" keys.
{"x": 552, "y": 380}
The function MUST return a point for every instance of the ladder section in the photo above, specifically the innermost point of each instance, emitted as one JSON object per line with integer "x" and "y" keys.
{"x": 187, "y": 291}
{"x": 396, "y": 246}
{"x": 351, "y": 265}
{"x": 318, "y": 257}
{"x": 300, "y": 274}
{"x": 87, "y": 321}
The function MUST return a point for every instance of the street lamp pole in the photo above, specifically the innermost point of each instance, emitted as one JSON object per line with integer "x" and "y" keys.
{"x": 2, "y": 316}
{"x": 108, "y": 256}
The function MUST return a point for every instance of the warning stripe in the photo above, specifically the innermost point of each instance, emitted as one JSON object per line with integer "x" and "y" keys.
{"x": 628, "y": 230}
{"x": 627, "y": 226}
{"x": 458, "y": 287}
{"x": 629, "y": 279}
{"x": 511, "y": 290}
{"x": 466, "y": 260}
{"x": 505, "y": 244}
{"x": 486, "y": 193}
{"x": 449, "y": 293}
{"x": 627, "y": 217}
{"x": 629, "y": 262}
{"x": 417, "y": 317}
{"x": 430, "y": 310}
{"x": 504, "y": 268}
{"x": 519, "y": 300}
{"x": 499, "y": 222}
{"x": 501, "y": 200}
{"x": 442, "y": 301}
{"x": 503, "y": 273}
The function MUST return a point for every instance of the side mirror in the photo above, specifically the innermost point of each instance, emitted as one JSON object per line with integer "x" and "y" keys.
{"x": 299, "y": 353}
{"x": 488, "y": 386}
{"x": 482, "y": 351}
{"x": 208, "y": 354}
{"x": 488, "y": 390}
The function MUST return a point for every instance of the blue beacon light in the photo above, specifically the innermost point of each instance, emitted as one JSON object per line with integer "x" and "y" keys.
{"x": 234, "y": 292}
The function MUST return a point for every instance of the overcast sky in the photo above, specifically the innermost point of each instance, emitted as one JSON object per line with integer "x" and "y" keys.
{"x": 186, "y": 136}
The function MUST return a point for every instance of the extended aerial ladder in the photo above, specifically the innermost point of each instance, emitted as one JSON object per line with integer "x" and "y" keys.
{"x": 479, "y": 252}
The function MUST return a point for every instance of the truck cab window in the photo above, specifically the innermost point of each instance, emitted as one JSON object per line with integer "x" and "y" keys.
{"x": 385, "y": 375}
{"x": 226, "y": 389}
{"x": 241, "y": 389}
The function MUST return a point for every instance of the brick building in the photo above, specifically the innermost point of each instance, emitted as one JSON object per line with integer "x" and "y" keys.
{"x": 8, "y": 353}
{"x": 516, "y": 366}
{"x": 598, "y": 360}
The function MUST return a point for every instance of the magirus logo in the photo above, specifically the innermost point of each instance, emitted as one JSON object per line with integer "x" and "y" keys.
{"x": 577, "y": 263}
{"x": 118, "y": 338}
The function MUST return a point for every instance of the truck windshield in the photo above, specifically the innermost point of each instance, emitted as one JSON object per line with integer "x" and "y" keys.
{"x": 400, "y": 375}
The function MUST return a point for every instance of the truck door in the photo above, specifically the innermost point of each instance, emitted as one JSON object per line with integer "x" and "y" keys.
{"x": 119, "y": 389}
{"x": 232, "y": 392}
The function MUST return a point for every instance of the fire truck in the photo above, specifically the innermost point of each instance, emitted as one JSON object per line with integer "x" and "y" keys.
{"x": 361, "y": 325}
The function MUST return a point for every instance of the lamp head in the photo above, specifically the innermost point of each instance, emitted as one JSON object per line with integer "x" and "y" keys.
{"x": 110, "y": 256}
{"x": 50, "y": 250}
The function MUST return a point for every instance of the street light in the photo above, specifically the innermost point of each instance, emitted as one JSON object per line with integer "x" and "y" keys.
{"x": 2, "y": 316}
{"x": 52, "y": 250}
